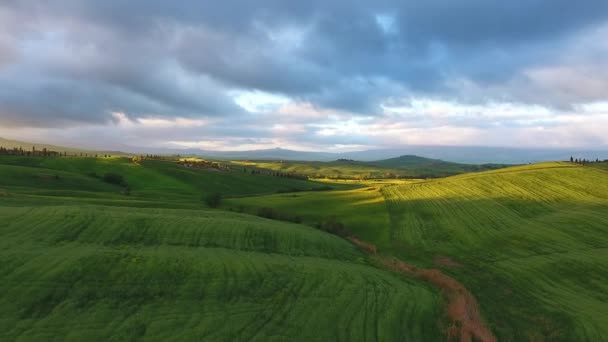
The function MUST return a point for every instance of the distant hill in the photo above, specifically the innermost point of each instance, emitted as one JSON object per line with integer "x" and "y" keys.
{"x": 401, "y": 167}
{"x": 270, "y": 154}
{"x": 457, "y": 154}
{"x": 481, "y": 154}
{"x": 410, "y": 161}
{"x": 413, "y": 162}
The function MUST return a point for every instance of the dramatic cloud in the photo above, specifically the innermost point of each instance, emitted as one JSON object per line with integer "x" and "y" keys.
{"x": 313, "y": 75}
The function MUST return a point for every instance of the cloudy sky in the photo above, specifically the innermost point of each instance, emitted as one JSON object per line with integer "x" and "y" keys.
{"x": 310, "y": 75}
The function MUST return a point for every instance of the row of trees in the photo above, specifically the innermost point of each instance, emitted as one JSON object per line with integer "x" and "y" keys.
{"x": 583, "y": 161}
{"x": 19, "y": 151}
{"x": 44, "y": 152}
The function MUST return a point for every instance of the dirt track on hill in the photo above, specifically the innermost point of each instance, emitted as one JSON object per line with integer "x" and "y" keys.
{"x": 462, "y": 307}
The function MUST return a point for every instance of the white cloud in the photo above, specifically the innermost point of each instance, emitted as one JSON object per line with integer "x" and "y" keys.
{"x": 258, "y": 101}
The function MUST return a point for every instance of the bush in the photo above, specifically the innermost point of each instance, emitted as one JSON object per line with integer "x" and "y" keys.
{"x": 332, "y": 226}
{"x": 114, "y": 178}
{"x": 213, "y": 200}
{"x": 268, "y": 213}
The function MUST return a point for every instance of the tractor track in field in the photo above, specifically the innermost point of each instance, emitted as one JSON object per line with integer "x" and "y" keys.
{"x": 462, "y": 308}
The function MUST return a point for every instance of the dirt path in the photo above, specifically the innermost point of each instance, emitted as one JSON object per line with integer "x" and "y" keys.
{"x": 462, "y": 308}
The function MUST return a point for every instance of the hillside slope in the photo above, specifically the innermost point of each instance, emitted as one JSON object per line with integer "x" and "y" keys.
{"x": 147, "y": 179}
{"x": 80, "y": 260}
{"x": 77, "y": 273}
{"x": 529, "y": 242}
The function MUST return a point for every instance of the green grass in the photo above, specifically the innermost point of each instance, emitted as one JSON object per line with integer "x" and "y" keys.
{"x": 94, "y": 272}
{"x": 79, "y": 260}
{"x": 530, "y": 242}
{"x": 151, "y": 179}
{"x": 363, "y": 211}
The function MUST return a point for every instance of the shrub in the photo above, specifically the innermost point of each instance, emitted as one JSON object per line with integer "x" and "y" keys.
{"x": 268, "y": 213}
{"x": 213, "y": 200}
{"x": 332, "y": 226}
{"x": 114, "y": 178}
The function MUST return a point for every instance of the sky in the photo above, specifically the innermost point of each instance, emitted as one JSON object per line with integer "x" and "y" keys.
{"x": 316, "y": 75}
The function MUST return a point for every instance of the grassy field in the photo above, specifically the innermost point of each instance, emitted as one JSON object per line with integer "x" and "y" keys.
{"x": 80, "y": 260}
{"x": 404, "y": 166}
{"x": 530, "y": 242}
{"x": 150, "y": 179}
{"x": 363, "y": 211}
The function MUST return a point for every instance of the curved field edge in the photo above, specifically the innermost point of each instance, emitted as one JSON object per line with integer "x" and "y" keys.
{"x": 528, "y": 241}
{"x": 94, "y": 272}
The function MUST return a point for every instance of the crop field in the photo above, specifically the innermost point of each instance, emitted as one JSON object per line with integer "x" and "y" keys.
{"x": 125, "y": 273}
{"x": 149, "y": 179}
{"x": 81, "y": 260}
{"x": 363, "y": 211}
{"x": 530, "y": 242}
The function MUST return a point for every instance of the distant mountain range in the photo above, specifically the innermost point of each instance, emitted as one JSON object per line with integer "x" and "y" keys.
{"x": 459, "y": 154}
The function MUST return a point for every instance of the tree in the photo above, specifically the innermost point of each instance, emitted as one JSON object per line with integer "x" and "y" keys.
{"x": 571, "y": 159}
{"x": 213, "y": 200}
{"x": 114, "y": 178}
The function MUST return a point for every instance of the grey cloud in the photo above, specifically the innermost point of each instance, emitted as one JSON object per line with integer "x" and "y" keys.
{"x": 182, "y": 58}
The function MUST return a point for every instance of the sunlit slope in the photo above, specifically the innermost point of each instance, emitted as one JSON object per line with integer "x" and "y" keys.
{"x": 532, "y": 242}
{"x": 362, "y": 211}
{"x": 405, "y": 166}
{"x": 94, "y": 272}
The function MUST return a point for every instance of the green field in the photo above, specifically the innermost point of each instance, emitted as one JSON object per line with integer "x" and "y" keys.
{"x": 80, "y": 260}
{"x": 148, "y": 179}
{"x": 363, "y": 211}
{"x": 530, "y": 242}
{"x": 400, "y": 167}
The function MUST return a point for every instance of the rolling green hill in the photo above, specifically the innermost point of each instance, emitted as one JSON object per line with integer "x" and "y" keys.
{"x": 530, "y": 242}
{"x": 148, "y": 179}
{"x": 95, "y": 272}
{"x": 80, "y": 260}
{"x": 403, "y": 167}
